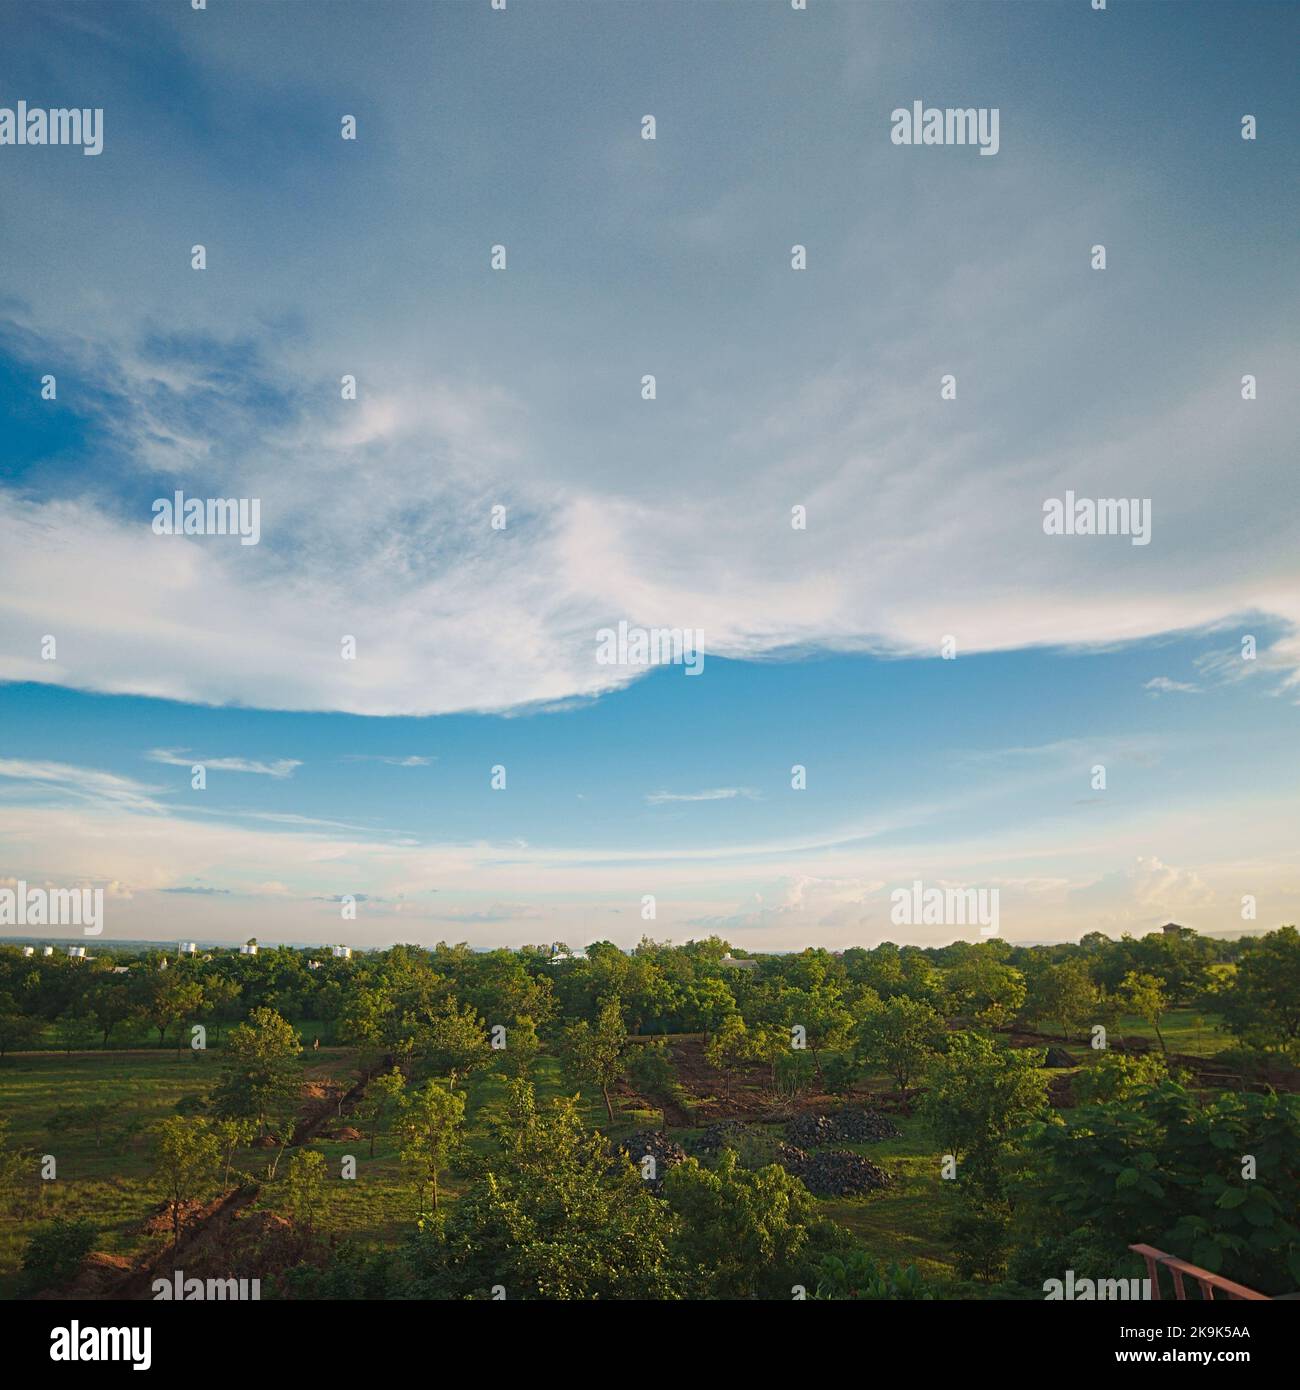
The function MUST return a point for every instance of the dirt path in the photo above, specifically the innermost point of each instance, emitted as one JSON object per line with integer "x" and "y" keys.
{"x": 208, "y": 1227}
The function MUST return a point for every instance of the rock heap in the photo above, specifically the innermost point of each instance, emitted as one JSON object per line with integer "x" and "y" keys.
{"x": 839, "y": 1173}
{"x": 847, "y": 1127}
{"x": 667, "y": 1153}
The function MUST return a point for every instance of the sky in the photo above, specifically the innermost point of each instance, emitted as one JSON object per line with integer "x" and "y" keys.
{"x": 476, "y": 646}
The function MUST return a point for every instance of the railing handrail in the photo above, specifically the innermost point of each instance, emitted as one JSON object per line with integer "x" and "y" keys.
{"x": 1208, "y": 1282}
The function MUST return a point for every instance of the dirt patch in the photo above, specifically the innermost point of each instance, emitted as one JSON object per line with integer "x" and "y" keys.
{"x": 743, "y": 1091}
{"x": 99, "y": 1275}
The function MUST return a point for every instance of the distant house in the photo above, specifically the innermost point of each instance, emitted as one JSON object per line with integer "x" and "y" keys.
{"x": 47, "y": 950}
{"x": 187, "y": 948}
{"x": 731, "y": 963}
{"x": 77, "y": 952}
{"x": 1172, "y": 929}
{"x": 121, "y": 970}
{"x": 249, "y": 948}
{"x": 341, "y": 952}
{"x": 29, "y": 950}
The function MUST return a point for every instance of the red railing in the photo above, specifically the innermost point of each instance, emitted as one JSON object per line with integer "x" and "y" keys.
{"x": 1208, "y": 1282}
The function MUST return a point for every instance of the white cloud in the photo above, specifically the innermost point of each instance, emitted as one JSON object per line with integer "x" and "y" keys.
{"x": 180, "y": 757}
{"x": 716, "y": 794}
{"x": 1163, "y": 685}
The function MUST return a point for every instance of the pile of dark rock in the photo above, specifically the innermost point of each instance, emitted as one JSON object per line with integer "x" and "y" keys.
{"x": 839, "y": 1173}
{"x": 726, "y": 1134}
{"x": 666, "y": 1152}
{"x": 811, "y": 1131}
{"x": 846, "y": 1127}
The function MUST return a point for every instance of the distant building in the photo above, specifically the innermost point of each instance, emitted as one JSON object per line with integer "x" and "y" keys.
{"x": 249, "y": 948}
{"x": 47, "y": 950}
{"x": 1172, "y": 929}
{"x": 341, "y": 952}
{"x": 77, "y": 952}
{"x": 29, "y": 950}
{"x": 731, "y": 963}
{"x": 187, "y": 948}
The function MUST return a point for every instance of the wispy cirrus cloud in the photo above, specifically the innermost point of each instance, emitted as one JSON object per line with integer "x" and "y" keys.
{"x": 1163, "y": 685}
{"x": 714, "y": 794}
{"x": 180, "y": 757}
{"x": 64, "y": 780}
{"x": 411, "y": 760}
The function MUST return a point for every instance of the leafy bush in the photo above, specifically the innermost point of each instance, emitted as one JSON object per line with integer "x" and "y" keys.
{"x": 1213, "y": 1181}
{"x": 54, "y": 1253}
{"x": 1118, "y": 1075}
{"x": 858, "y": 1276}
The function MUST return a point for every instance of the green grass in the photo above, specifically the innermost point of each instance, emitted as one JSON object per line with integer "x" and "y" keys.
{"x": 107, "y": 1182}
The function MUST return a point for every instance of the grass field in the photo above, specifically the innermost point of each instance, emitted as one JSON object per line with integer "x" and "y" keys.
{"x": 105, "y": 1179}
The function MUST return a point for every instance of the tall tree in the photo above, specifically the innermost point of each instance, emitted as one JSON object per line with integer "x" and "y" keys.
{"x": 594, "y": 1055}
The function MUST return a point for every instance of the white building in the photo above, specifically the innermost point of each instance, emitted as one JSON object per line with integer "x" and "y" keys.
{"x": 248, "y": 949}
{"x": 77, "y": 952}
{"x": 188, "y": 948}
{"x": 29, "y": 950}
{"x": 341, "y": 952}
{"x": 47, "y": 950}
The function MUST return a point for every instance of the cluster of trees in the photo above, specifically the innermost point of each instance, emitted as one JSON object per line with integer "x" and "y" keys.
{"x": 395, "y": 1001}
{"x": 551, "y": 1212}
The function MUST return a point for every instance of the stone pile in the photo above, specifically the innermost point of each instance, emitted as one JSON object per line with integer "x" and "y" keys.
{"x": 667, "y": 1153}
{"x": 847, "y": 1127}
{"x": 839, "y": 1173}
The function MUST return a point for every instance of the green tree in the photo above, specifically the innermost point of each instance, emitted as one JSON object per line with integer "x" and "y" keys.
{"x": 261, "y": 1075}
{"x": 521, "y": 1049}
{"x": 54, "y": 1253}
{"x": 740, "y": 1234}
{"x": 900, "y": 1037}
{"x": 231, "y": 1134}
{"x": 651, "y": 1071}
{"x": 429, "y": 1129}
{"x": 979, "y": 1095}
{"x": 109, "y": 1003}
{"x": 186, "y": 1156}
{"x": 307, "y": 1194}
{"x": 1144, "y": 996}
{"x": 454, "y": 1042}
{"x": 381, "y": 1103}
{"x": 168, "y": 998}
{"x": 17, "y": 1028}
{"x": 1261, "y": 1001}
{"x": 551, "y": 1215}
{"x": 595, "y": 1055}
{"x": 986, "y": 989}
{"x": 1063, "y": 994}
{"x": 1117, "y": 1076}
{"x": 728, "y": 1045}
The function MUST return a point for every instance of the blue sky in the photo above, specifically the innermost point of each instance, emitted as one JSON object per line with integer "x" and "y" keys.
{"x": 775, "y": 388}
